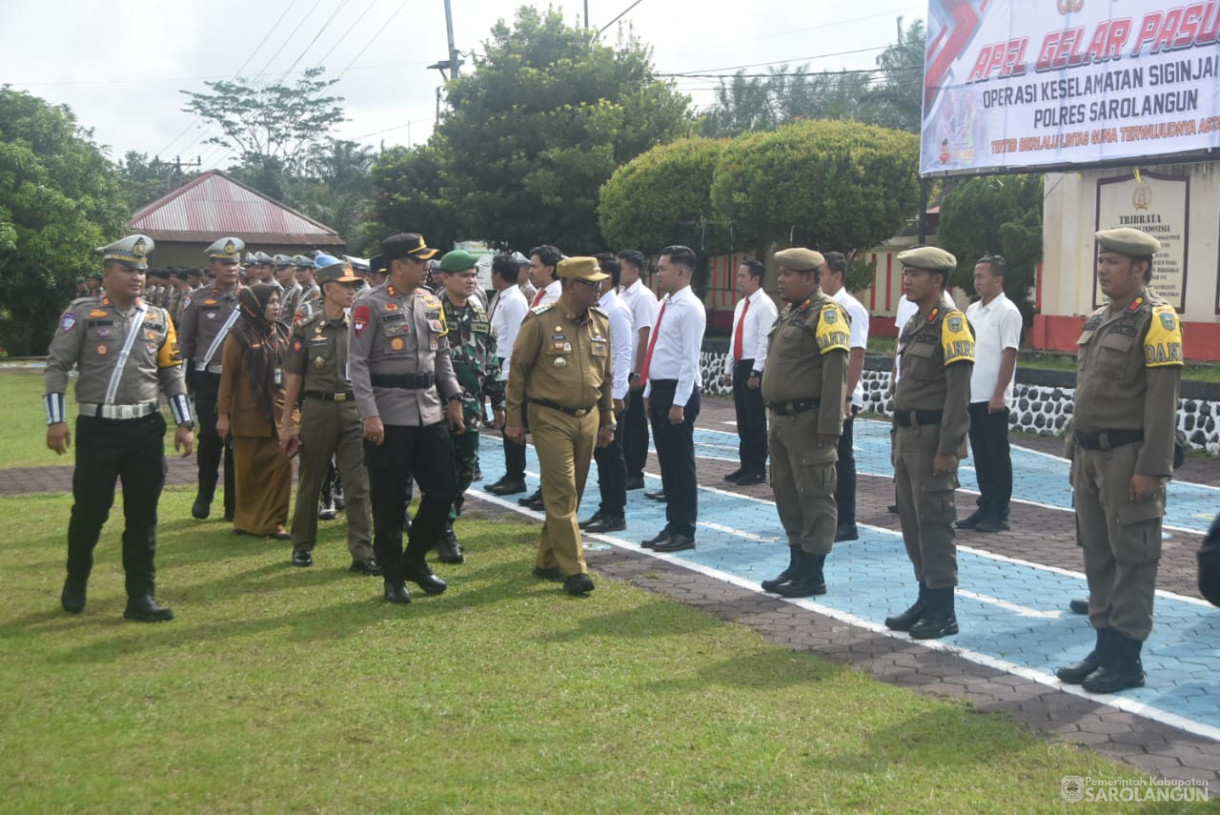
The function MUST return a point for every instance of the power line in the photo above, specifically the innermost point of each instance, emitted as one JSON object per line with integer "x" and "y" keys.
{"x": 288, "y": 39}
{"x": 316, "y": 37}
{"x": 373, "y": 39}
{"x": 621, "y": 14}
{"x": 350, "y": 28}
{"x": 266, "y": 37}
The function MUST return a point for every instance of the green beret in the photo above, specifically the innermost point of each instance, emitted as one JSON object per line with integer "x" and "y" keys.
{"x": 928, "y": 258}
{"x": 1127, "y": 241}
{"x": 581, "y": 268}
{"x": 799, "y": 259}
{"x": 459, "y": 260}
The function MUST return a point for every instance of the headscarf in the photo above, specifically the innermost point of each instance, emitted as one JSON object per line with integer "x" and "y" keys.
{"x": 263, "y": 343}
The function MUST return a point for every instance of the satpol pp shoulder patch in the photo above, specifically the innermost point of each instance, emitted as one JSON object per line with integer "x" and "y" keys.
{"x": 956, "y": 339}
{"x": 1163, "y": 343}
{"x": 834, "y": 330}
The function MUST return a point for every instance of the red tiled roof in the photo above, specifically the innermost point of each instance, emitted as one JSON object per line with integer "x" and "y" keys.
{"x": 213, "y": 205}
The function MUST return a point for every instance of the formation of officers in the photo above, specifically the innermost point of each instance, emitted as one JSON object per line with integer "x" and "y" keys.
{"x": 388, "y": 375}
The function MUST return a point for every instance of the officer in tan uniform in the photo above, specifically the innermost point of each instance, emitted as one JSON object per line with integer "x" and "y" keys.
{"x": 208, "y": 314}
{"x": 936, "y": 352}
{"x": 125, "y": 351}
{"x": 562, "y": 359}
{"x": 1129, "y": 369}
{"x": 315, "y": 372}
{"x": 401, "y": 374}
{"x": 804, "y": 386}
{"x": 285, "y": 274}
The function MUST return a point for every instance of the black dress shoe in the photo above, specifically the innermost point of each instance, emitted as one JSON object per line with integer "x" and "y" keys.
{"x": 676, "y": 543}
{"x": 750, "y": 479}
{"x": 578, "y": 584}
{"x": 972, "y": 520}
{"x": 597, "y": 516}
{"x": 736, "y": 474}
{"x": 536, "y": 495}
{"x": 507, "y": 486}
{"x": 661, "y": 537}
{"x": 1078, "y": 606}
{"x": 73, "y": 597}
{"x": 608, "y": 523}
{"x": 846, "y": 532}
{"x": 396, "y": 592}
{"x": 145, "y": 610}
{"x": 368, "y": 566}
{"x": 635, "y": 482}
{"x": 302, "y": 558}
{"x": 200, "y": 510}
{"x": 992, "y": 523}
{"x": 553, "y": 573}
{"x": 659, "y": 495}
{"x": 421, "y": 574}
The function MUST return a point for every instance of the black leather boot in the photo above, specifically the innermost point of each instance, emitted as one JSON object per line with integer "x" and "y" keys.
{"x": 450, "y": 549}
{"x": 908, "y": 618}
{"x": 1076, "y": 672}
{"x": 808, "y": 581}
{"x": 1121, "y": 667}
{"x": 396, "y": 591}
{"x": 144, "y": 609}
{"x": 72, "y": 598}
{"x": 418, "y": 571}
{"x": 939, "y": 619}
{"x": 794, "y": 554}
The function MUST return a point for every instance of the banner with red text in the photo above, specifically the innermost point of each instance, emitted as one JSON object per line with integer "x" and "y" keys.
{"x": 1043, "y": 83}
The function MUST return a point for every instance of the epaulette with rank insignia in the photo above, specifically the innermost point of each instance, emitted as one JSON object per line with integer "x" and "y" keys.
{"x": 542, "y": 309}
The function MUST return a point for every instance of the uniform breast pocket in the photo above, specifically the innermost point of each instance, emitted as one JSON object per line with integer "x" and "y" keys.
{"x": 1114, "y": 355}
{"x": 918, "y": 361}
{"x": 600, "y": 349}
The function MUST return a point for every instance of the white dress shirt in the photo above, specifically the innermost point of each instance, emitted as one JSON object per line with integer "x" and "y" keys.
{"x": 643, "y": 305}
{"x": 755, "y": 333}
{"x": 508, "y": 310}
{"x": 903, "y": 312}
{"x": 997, "y": 327}
{"x": 859, "y": 334}
{"x": 679, "y": 341}
{"x": 549, "y": 295}
{"x": 620, "y": 339}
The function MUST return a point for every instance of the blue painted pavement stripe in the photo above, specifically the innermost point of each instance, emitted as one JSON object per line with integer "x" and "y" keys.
{"x": 1011, "y": 612}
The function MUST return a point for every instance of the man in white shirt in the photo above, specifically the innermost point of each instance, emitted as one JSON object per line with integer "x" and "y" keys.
{"x": 611, "y": 468}
{"x": 833, "y": 277}
{"x": 507, "y": 311}
{"x": 753, "y": 318}
{"x": 671, "y": 390}
{"x": 997, "y": 327}
{"x": 643, "y": 305}
{"x": 544, "y": 274}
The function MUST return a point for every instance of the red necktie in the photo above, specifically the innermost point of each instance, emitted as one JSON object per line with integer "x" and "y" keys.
{"x": 652, "y": 343}
{"x": 537, "y": 298}
{"x": 737, "y": 335}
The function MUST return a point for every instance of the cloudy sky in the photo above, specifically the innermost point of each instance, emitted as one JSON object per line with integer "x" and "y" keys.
{"x": 121, "y": 64}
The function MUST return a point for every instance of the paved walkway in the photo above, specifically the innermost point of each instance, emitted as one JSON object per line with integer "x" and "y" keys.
{"x": 1014, "y": 589}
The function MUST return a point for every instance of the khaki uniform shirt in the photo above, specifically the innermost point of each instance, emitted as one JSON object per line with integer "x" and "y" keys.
{"x": 396, "y": 333}
{"x": 91, "y": 336}
{"x": 563, "y": 358}
{"x": 807, "y": 359}
{"x": 204, "y": 313}
{"x": 290, "y": 300}
{"x": 936, "y": 353}
{"x": 318, "y": 352}
{"x": 1129, "y": 370}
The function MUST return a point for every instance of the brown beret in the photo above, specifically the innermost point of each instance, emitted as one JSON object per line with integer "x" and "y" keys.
{"x": 799, "y": 259}
{"x": 1127, "y": 241}
{"x": 929, "y": 258}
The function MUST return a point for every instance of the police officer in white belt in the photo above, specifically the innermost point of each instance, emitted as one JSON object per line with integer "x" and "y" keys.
{"x": 125, "y": 351}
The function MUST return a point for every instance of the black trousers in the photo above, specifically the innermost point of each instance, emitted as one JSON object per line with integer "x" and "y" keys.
{"x": 107, "y": 449}
{"x": 514, "y": 454}
{"x": 992, "y": 458}
{"x": 751, "y": 419}
{"x": 210, "y": 449}
{"x": 612, "y": 474}
{"x": 425, "y": 454}
{"x": 675, "y": 445}
{"x": 845, "y": 469}
{"x": 635, "y": 434}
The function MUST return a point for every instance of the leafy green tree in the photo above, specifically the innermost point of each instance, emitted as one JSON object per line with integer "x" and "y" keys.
{"x": 336, "y": 189}
{"x": 146, "y": 179}
{"x": 896, "y": 97}
{"x": 411, "y": 194}
{"x": 541, "y": 122}
{"x": 995, "y": 215}
{"x": 59, "y": 199}
{"x": 822, "y": 184}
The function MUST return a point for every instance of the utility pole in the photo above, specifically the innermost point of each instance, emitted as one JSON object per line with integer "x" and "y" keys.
{"x": 586, "y": 15}
{"x": 454, "y": 62}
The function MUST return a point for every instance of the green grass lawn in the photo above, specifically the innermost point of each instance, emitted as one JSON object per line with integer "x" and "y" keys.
{"x": 279, "y": 689}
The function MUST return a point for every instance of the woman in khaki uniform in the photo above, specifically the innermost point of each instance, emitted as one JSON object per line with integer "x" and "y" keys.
{"x": 246, "y": 406}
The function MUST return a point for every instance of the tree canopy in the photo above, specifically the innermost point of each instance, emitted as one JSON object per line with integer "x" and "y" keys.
{"x": 60, "y": 198}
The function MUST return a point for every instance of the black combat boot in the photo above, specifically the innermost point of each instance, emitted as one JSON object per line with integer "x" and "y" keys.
{"x": 450, "y": 549}
{"x": 794, "y": 554}
{"x": 808, "y": 581}
{"x": 939, "y": 619}
{"x": 1076, "y": 672}
{"x": 908, "y": 618}
{"x": 72, "y": 598}
{"x": 144, "y": 609}
{"x": 1120, "y": 667}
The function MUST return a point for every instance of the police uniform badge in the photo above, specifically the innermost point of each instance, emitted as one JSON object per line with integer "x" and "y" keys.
{"x": 140, "y": 249}
{"x": 230, "y": 247}
{"x": 68, "y": 322}
{"x": 956, "y": 340}
{"x": 955, "y": 323}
